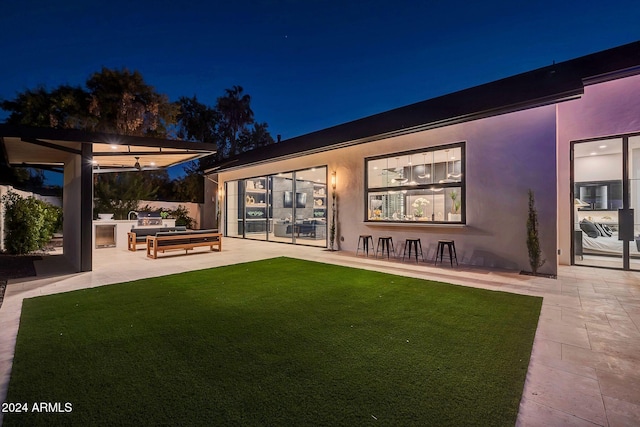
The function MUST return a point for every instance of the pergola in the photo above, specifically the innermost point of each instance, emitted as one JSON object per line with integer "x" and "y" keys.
{"x": 79, "y": 154}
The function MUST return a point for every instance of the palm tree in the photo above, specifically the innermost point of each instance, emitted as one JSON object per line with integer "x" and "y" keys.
{"x": 236, "y": 114}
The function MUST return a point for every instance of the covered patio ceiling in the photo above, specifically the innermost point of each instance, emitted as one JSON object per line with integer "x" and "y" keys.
{"x": 49, "y": 148}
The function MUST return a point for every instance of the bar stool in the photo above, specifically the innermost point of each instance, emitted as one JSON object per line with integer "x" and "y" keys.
{"x": 417, "y": 245}
{"x": 452, "y": 251}
{"x": 387, "y": 242}
{"x": 364, "y": 239}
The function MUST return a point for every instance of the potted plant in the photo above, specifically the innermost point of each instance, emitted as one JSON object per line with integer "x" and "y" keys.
{"x": 455, "y": 215}
{"x": 419, "y": 204}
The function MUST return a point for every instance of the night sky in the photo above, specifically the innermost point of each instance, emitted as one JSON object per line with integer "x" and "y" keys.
{"x": 307, "y": 64}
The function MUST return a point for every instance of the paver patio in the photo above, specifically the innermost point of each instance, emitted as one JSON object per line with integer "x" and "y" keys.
{"x": 585, "y": 363}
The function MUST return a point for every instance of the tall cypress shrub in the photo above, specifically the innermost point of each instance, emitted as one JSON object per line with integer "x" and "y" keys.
{"x": 533, "y": 240}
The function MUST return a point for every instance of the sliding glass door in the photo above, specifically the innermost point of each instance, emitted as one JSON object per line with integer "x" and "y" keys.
{"x": 606, "y": 195}
{"x": 288, "y": 207}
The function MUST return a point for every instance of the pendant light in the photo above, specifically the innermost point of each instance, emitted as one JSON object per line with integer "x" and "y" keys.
{"x": 401, "y": 179}
{"x": 411, "y": 181}
{"x": 424, "y": 161}
{"x": 446, "y": 168}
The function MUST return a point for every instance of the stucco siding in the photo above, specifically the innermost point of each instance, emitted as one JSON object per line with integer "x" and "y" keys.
{"x": 605, "y": 109}
{"x": 505, "y": 156}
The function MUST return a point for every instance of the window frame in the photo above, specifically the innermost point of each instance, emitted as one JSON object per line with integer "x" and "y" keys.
{"x": 430, "y": 186}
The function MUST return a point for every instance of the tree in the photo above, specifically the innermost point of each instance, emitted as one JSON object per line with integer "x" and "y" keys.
{"x": 120, "y": 193}
{"x": 196, "y": 121}
{"x": 254, "y": 138}
{"x": 122, "y": 103}
{"x": 190, "y": 188}
{"x": 235, "y": 115}
{"x": 158, "y": 179}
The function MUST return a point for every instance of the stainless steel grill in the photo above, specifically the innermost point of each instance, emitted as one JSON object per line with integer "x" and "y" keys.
{"x": 149, "y": 219}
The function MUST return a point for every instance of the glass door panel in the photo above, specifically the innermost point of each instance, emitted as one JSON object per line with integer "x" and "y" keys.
{"x": 634, "y": 200}
{"x": 598, "y": 169}
{"x": 311, "y": 207}
{"x": 234, "y": 221}
{"x": 283, "y": 203}
{"x": 256, "y": 210}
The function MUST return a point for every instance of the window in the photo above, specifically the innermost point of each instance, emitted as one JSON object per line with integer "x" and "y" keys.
{"x": 417, "y": 186}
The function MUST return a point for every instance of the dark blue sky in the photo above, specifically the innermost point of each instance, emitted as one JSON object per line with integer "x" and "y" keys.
{"x": 307, "y": 64}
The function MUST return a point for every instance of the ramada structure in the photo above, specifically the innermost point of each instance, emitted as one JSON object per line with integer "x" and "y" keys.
{"x": 79, "y": 156}
{"x": 459, "y": 167}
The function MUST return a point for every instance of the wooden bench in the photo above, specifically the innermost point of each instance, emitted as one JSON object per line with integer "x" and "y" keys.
{"x": 139, "y": 235}
{"x": 186, "y": 240}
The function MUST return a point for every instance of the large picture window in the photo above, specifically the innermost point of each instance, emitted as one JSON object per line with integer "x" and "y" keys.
{"x": 417, "y": 186}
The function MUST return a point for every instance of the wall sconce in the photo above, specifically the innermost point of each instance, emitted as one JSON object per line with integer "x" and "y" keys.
{"x": 333, "y": 180}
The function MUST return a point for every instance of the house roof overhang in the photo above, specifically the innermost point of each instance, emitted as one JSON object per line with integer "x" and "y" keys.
{"x": 548, "y": 85}
{"x": 48, "y": 148}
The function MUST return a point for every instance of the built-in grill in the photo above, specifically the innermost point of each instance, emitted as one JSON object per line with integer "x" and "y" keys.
{"x": 149, "y": 219}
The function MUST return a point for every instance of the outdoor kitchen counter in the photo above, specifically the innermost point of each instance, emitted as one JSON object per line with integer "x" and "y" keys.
{"x": 122, "y": 227}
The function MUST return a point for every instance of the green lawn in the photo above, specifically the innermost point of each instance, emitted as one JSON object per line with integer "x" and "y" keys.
{"x": 275, "y": 342}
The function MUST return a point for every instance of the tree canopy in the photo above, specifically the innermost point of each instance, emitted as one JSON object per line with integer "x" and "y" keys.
{"x": 121, "y": 102}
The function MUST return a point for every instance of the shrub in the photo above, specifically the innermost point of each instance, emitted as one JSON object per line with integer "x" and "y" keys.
{"x": 29, "y": 223}
{"x": 533, "y": 240}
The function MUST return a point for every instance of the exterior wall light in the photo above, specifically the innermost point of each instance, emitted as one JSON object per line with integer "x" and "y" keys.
{"x": 333, "y": 180}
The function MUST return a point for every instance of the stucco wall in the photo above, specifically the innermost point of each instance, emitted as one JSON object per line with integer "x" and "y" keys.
{"x": 505, "y": 156}
{"x": 605, "y": 109}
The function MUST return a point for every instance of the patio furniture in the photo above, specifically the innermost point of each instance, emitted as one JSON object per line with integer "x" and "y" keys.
{"x": 452, "y": 251}
{"x": 385, "y": 242}
{"x": 186, "y": 240}
{"x": 139, "y": 235}
{"x": 364, "y": 240}
{"x": 416, "y": 244}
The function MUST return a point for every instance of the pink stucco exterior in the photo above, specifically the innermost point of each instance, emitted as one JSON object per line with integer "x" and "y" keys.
{"x": 606, "y": 109}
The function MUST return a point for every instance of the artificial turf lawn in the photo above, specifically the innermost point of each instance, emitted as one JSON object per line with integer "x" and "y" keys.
{"x": 275, "y": 342}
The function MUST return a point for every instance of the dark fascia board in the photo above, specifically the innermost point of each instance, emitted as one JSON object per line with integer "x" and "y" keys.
{"x": 543, "y": 86}
{"x": 75, "y": 135}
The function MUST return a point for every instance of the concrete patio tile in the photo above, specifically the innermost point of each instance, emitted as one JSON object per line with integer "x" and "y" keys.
{"x": 624, "y": 323}
{"x": 570, "y": 393}
{"x": 621, "y": 413}
{"x": 551, "y": 313}
{"x": 563, "y": 333}
{"x": 565, "y": 366}
{"x": 601, "y": 305}
{"x": 563, "y": 301}
{"x": 606, "y": 339}
{"x": 546, "y": 349}
{"x": 622, "y": 387}
{"x": 577, "y": 317}
{"x": 600, "y": 361}
{"x": 534, "y": 414}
